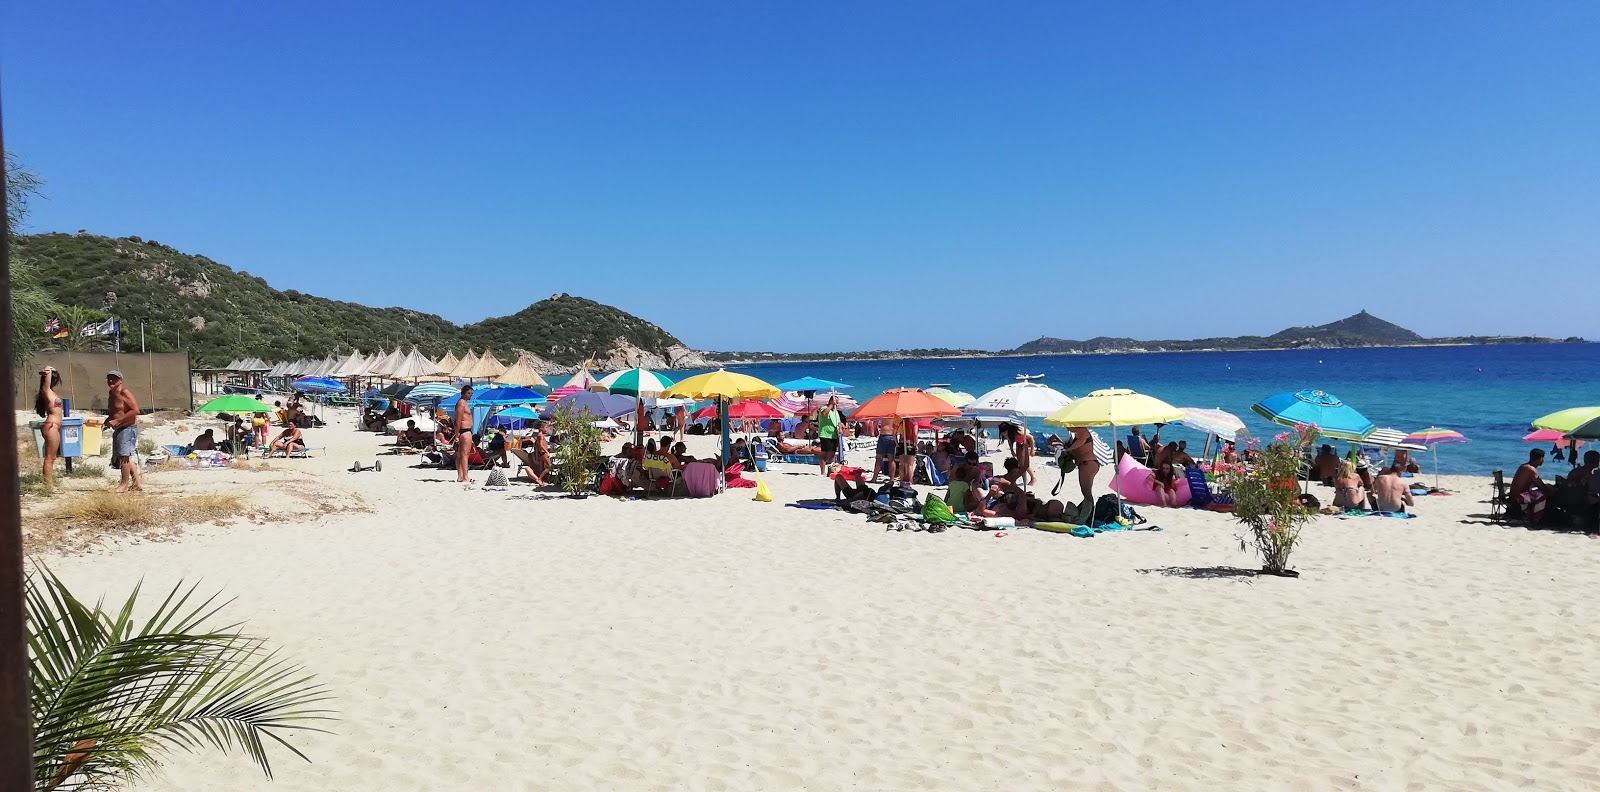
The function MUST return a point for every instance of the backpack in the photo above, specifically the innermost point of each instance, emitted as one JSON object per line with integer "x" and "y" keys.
{"x": 1105, "y": 509}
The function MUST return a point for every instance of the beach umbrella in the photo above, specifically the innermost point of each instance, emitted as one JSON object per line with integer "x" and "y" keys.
{"x": 431, "y": 392}
{"x": 799, "y": 404}
{"x": 1332, "y": 417}
{"x": 1567, "y": 420}
{"x": 395, "y": 390}
{"x": 705, "y": 413}
{"x": 582, "y": 380}
{"x": 519, "y": 413}
{"x": 903, "y": 404}
{"x": 234, "y": 403}
{"x": 746, "y": 410}
{"x": 486, "y": 367}
{"x": 1433, "y": 437}
{"x": 723, "y": 385}
{"x": 520, "y": 373}
{"x": 600, "y": 405}
{"x": 447, "y": 362}
{"x": 950, "y": 397}
{"x": 352, "y": 366}
{"x": 1586, "y": 431}
{"x": 1114, "y": 407}
{"x": 413, "y": 366}
{"x": 635, "y": 382}
{"x": 511, "y": 394}
{"x": 1021, "y": 399}
{"x": 464, "y": 365}
{"x": 318, "y": 385}
{"x": 811, "y": 384}
{"x": 1215, "y": 423}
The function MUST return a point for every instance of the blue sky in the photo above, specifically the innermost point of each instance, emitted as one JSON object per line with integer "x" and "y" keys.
{"x": 1144, "y": 169}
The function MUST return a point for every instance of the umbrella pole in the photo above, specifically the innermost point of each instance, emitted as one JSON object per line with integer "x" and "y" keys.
{"x": 1436, "y": 466}
{"x": 727, "y": 442}
{"x": 1116, "y": 473}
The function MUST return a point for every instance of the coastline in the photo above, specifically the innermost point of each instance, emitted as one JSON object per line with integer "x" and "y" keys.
{"x": 870, "y": 356}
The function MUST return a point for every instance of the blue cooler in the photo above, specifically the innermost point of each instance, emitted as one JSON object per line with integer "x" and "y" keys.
{"x": 71, "y": 437}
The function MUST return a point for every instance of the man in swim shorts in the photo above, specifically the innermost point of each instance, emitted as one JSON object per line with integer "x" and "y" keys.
{"x": 122, "y": 415}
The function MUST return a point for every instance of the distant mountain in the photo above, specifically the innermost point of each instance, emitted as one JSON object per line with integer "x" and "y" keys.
{"x": 223, "y": 314}
{"x": 1361, "y": 330}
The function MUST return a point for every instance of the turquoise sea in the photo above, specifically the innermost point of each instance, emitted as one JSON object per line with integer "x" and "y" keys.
{"x": 1488, "y": 393}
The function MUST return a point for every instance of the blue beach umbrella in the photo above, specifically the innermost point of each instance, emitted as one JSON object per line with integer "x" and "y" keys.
{"x": 1332, "y": 417}
{"x": 600, "y": 405}
{"x": 811, "y": 384}
{"x": 318, "y": 385}
{"x": 509, "y": 395}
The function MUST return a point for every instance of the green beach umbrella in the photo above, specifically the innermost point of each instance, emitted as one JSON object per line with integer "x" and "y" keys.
{"x": 1568, "y": 419}
{"x": 234, "y": 403}
{"x": 635, "y": 382}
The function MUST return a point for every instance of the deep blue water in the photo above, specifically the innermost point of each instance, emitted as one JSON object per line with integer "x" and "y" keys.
{"x": 1488, "y": 393}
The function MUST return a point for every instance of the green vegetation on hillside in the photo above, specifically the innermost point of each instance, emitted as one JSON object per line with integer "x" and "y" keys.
{"x": 221, "y": 314}
{"x": 568, "y": 329}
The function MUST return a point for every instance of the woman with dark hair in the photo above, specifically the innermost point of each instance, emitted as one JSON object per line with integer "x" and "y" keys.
{"x": 1165, "y": 482}
{"x": 48, "y": 405}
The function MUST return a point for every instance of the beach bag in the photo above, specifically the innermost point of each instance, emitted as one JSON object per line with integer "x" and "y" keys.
{"x": 611, "y": 485}
{"x": 1068, "y": 463}
{"x": 497, "y": 478}
{"x": 937, "y": 511}
{"x": 1106, "y": 509}
{"x": 763, "y": 494}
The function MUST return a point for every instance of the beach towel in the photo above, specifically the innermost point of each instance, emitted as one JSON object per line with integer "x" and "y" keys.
{"x": 701, "y": 479}
{"x": 956, "y": 496}
{"x": 812, "y": 506}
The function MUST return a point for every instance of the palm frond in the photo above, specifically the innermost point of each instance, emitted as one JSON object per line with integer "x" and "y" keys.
{"x": 112, "y": 693}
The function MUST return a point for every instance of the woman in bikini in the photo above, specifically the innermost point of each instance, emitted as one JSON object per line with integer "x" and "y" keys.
{"x": 1082, "y": 450}
{"x": 48, "y": 405}
{"x": 1348, "y": 490}
{"x": 1165, "y": 482}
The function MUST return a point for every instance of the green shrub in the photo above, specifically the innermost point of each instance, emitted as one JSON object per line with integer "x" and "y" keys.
{"x": 579, "y": 452}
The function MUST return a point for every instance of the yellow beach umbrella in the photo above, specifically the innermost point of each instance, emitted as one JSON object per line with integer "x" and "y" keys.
{"x": 724, "y": 386}
{"x": 1115, "y": 407}
{"x": 1567, "y": 420}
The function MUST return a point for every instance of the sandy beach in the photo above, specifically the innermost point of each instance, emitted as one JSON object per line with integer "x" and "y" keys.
{"x": 519, "y": 640}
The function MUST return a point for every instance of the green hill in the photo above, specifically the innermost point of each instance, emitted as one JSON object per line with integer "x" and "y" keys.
{"x": 223, "y": 314}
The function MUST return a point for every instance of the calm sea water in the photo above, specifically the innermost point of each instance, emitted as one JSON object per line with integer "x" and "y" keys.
{"x": 1488, "y": 393}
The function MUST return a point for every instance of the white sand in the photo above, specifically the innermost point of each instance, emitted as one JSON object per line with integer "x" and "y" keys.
{"x": 483, "y": 640}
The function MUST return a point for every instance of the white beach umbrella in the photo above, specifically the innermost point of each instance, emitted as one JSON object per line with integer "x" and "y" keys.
{"x": 413, "y": 366}
{"x": 1021, "y": 399}
{"x": 351, "y": 366}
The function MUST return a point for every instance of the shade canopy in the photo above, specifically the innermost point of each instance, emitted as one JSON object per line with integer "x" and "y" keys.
{"x": 811, "y": 384}
{"x": 234, "y": 403}
{"x": 798, "y": 404}
{"x": 723, "y": 384}
{"x": 582, "y": 379}
{"x": 1019, "y": 399}
{"x": 464, "y": 365}
{"x": 1433, "y": 435}
{"x": 1114, "y": 407}
{"x": 600, "y": 405}
{"x": 395, "y": 390}
{"x": 520, "y": 373}
{"x": 447, "y": 362}
{"x": 486, "y": 367}
{"x": 414, "y": 365}
{"x": 1568, "y": 419}
{"x": 1221, "y": 423}
{"x": 318, "y": 385}
{"x": 635, "y": 382}
{"x": 352, "y": 366}
{"x": 1332, "y": 417}
{"x": 903, "y": 403}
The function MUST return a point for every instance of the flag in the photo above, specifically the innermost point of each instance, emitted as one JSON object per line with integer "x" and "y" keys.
{"x": 55, "y": 329}
{"x": 108, "y": 327}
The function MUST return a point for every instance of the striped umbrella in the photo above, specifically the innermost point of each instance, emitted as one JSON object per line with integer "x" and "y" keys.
{"x": 635, "y": 382}
{"x": 1433, "y": 437}
{"x": 430, "y": 392}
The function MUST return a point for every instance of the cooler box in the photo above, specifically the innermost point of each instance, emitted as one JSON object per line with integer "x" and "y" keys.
{"x": 71, "y": 437}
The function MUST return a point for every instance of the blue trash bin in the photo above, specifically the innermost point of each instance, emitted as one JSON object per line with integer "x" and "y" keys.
{"x": 71, "y": 437}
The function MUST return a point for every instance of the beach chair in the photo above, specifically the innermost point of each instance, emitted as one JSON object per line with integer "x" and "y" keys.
{"x": 1500, "y": 497}
{"x": 927, "y": 473}
{"x": 1202, "y": 496}
{"x": 657, "y": 468}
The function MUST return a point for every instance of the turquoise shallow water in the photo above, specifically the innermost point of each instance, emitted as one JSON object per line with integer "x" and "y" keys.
{"x": 1488, "y": 393}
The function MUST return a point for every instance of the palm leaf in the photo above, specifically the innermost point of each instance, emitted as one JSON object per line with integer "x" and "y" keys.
{"x": 111, "y": 694}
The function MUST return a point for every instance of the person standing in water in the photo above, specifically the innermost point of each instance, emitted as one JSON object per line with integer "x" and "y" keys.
{"x": 123, "y": 418}
{"x": 463, "y": 424}
{"x": 49, "y": 407}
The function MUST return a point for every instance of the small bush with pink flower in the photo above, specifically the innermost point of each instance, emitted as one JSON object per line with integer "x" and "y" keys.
{"x": 1266, "y": 498}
